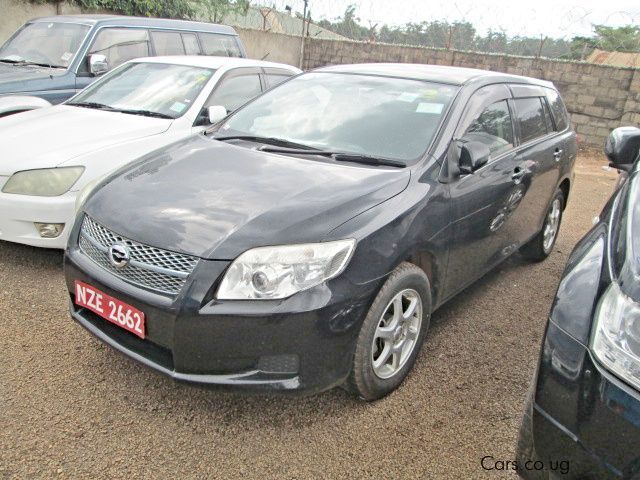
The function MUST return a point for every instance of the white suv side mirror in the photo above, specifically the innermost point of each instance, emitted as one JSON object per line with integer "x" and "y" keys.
{"x": 216, "y": 113}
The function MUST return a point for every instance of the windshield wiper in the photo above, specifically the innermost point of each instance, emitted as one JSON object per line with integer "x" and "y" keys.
{"x": 25, "y": 62}
{"x": 146, "y": 113}
{"x": 339, "y": 156}
{"x": 96, "y": 105}
{"x": 269, "y": 141}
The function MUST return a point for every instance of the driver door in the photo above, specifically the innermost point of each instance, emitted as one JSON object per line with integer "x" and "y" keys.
{"x": 484, "y": 202}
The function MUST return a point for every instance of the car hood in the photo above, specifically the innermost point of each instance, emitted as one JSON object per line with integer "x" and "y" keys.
{"x": 214, "y": 200}
{"x": 15, "y": 78}
{"x": 53, "y": 136}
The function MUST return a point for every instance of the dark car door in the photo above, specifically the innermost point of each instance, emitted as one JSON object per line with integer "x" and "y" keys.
{"x": 484, "y": 203}
{"x": 539, "y": 157}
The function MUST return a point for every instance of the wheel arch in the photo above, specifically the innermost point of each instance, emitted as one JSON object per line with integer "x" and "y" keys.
{"x": 565, "y": 186}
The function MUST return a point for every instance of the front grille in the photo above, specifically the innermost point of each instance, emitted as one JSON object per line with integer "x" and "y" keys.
{"x": 149, "y": 267}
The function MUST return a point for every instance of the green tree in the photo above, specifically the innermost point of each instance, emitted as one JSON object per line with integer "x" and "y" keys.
{"x": 216, "y": 10}
{"x": 617, "y": 39}
{"x": 144, "y": 8}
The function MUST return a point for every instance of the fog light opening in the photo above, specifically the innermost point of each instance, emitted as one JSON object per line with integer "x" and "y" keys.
{"x": 49, "y": 230}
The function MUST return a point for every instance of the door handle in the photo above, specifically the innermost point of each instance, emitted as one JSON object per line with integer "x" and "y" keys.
{"x": 557, "y": 154}
{"x": 517, "y": 175}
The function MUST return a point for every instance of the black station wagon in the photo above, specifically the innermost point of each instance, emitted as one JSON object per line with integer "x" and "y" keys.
{"x": 304, "y": 242}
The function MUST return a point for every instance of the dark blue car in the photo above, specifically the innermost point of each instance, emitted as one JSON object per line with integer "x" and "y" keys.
{"x": 582, "y": 419}
{"x": 54, "y": 57}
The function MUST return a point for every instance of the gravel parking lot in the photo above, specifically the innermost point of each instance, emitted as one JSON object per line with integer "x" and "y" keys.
{"x": 72, "y": 407}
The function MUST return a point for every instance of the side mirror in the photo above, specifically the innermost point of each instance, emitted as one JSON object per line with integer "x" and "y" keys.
{"x": 216, "y": 113}
{"x": 622, "y": 147}
{"x": 98, "y": 64}
{"x": 473, "y": 155}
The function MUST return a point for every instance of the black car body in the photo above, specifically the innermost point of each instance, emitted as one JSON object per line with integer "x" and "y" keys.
{"x": 581, "y": 410}
{"x": 50, "y": 57}
{"x": 208, "y": 201}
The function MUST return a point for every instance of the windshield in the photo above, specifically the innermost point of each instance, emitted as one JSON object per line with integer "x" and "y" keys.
{"x": 53, "y": 44}
{"x": 164, "y": 89}
{"x": 376, "y": 116}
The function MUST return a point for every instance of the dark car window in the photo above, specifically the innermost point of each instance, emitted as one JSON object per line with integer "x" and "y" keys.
{"x": 530, "y": 116}
{"x": 121, "y": 44}
{"x": 219, "y": 45}
{"x": 493, "y": 127}
{"x": 394, "y": 118}
{"x": 547, "y": 115}
{"x": 167, "y": 43}
{"x": 235, "y": 91}
{"x": 558, "y": 110}
{"x": 191, "y": 45}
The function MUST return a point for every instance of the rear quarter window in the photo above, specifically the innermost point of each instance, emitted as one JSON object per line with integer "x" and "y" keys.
{"x": 558, "y": 109}
{"x": 219, "y": 45}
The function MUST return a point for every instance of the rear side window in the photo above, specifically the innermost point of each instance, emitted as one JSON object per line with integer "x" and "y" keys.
{"x": 191, "y": 45}
{"x": 121, "y": 44}
{"x": 167, "y": 43}
{"x": 236, "y": 91}
{"x": 493, "y": 128}
{"x": 530, "y": 116}
{"x": 558, "y": 110}
{"x": 219, "y": 45}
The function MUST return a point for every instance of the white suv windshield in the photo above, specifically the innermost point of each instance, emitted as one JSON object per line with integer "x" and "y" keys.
{"x": 153, "y": 89}
{"x": 386, "y": 117}
{"x": 44, "y": 43}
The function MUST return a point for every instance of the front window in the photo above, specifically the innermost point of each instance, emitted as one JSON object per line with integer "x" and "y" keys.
{"x": 385, "y": 117}
{"x": 44, "y": 43}
{"x": 155, "y": 89}
{"x": 121, "y": 44}
{"x": 493, "y": 127}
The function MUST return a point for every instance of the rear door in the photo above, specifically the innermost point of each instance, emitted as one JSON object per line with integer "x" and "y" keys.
{"x": 484, "y": 202}
{"x": 539, "y": 156}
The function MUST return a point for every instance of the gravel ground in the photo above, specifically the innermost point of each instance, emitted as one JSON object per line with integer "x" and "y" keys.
{"x": 71, "y": 407}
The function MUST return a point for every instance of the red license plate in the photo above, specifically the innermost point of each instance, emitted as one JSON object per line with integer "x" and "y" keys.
{"x": 109, "y": 308}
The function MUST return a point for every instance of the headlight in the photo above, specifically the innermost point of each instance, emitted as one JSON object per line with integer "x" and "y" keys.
{"x": 616, "y": 340}
{"x": 45, "y": 182}
{"x": 279, "y": 272}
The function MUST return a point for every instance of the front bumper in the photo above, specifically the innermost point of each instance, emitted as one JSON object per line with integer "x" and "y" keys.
{"x": 303, "y": 343}
{"x": 583, "y": 414}
{"x": 21, "y": 211}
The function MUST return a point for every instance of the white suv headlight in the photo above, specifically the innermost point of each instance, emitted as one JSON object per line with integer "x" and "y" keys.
{"x": 616, "y": 338}
{"x": 279, "y": 272}
{"x": 44, "y": 182}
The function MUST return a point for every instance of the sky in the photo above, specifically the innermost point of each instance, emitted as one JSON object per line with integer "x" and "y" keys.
{"x": 552, "y": 18}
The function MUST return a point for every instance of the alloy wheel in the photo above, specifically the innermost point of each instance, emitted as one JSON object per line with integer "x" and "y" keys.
{"x": 397, "y": 333}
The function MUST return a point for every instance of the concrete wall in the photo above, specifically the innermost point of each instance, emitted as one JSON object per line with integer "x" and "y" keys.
{"x": 13, "y": 13}
{"x": 598, "y": 97}
{"x": 273, "y": 47}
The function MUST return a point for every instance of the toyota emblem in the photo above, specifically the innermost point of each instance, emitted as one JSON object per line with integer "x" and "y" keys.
{"x": 119, "y": 255}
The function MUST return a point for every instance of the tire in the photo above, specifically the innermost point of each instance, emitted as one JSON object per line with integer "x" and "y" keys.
{"x": 538, "y": 248}
{"x": 525, "y": 449}
{"x": 372, "y": 377}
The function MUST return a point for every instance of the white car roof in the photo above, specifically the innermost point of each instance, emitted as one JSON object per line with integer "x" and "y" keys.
{"x": 213, "y": 62}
